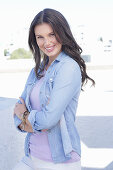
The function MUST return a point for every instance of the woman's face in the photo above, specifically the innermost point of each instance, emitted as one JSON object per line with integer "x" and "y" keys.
{"x": 47, "y": 41}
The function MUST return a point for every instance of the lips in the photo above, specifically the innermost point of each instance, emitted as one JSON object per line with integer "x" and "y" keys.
{"x": 50, "y": 48}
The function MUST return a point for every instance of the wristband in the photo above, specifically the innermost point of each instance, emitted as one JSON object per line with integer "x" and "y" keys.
{"x": 26, "y": 113}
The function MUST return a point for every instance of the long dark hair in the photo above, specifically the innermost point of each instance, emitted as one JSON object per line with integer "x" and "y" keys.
{"x": 61, "y": 29}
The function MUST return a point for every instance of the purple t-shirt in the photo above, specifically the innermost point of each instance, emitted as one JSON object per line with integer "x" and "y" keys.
{"x": 39, "y": 146}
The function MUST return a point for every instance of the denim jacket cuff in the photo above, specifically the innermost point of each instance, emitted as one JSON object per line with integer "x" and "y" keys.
{"x": 17, "y": 122}
{"x": 32, "y": 120}
{"x": 31, "y": 117}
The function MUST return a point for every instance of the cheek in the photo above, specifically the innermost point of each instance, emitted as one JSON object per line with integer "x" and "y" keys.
{"x": 59, "y": 46}
{"x": 40, "y": 45}
{"x": 57, "y": 43}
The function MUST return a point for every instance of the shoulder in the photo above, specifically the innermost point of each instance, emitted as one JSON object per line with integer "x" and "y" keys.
{"x": 69, "y": 64}
{"x": 31, "y": 75}
{"x": 32, "y": 72}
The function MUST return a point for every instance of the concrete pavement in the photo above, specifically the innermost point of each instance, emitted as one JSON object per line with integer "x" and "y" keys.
{"x": 11, "y": 141}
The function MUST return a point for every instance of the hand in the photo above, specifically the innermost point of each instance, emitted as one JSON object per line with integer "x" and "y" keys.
{"x": 27, "y": 127}
{"x": 20, "y": 108}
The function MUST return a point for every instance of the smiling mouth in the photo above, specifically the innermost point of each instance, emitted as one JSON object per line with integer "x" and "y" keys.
{"x": 50, "y": 49}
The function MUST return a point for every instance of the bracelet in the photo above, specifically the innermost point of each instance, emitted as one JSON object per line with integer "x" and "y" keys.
{"x": 26, "y": 113}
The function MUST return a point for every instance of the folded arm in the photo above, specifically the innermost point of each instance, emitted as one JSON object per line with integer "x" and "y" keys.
{"x": 67, "y": 84}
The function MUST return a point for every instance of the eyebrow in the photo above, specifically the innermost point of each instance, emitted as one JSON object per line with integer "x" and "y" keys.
{"x": 48, "y": 33}
{"x": 37, "y": 35}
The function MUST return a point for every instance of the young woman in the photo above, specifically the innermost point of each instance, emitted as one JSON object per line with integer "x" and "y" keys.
{"x": 48, "y": 104}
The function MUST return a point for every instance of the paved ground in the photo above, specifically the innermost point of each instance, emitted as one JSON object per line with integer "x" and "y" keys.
{"x": 94, "y": 120}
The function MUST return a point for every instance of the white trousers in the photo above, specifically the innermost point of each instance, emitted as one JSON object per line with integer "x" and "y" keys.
{"x": 38, "y": 164}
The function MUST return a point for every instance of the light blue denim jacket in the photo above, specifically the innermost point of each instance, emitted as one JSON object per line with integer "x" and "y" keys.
{"x": 58, "y": 96}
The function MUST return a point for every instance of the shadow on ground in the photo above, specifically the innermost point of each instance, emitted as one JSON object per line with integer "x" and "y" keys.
{"x": 96, "y": 132}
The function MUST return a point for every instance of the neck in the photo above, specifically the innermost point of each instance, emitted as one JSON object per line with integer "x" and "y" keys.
{"x": 49, "y": 63}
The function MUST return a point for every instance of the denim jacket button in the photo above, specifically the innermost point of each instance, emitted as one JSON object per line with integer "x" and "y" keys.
{"x": 51, "y": 79}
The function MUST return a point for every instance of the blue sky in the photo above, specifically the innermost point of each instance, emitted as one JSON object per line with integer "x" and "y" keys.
{"x": 18, "y": 14}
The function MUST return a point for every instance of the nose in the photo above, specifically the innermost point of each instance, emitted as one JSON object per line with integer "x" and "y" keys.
{"x": 46, "y": 41}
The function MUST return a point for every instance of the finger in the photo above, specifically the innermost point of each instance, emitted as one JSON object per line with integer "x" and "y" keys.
{"x": 22, "y": 101}
{"x": 44, "y": 130}
{"x": 14, "y": 113}
{"x": 16, "y": 104}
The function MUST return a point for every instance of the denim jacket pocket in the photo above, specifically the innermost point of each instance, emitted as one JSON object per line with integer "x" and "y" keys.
{"x": 49, "y": 87}
{"x": 51, "y": 83}
{"x": 28, "y": 89}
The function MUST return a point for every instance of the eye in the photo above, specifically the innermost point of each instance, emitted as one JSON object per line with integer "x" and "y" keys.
{"x": 39, "y": 37}
{"x": 52, "y": 34}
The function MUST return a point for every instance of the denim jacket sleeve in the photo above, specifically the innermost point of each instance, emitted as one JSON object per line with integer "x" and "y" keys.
{"x": 67, "y": 84}
{"x": 17, "y": 121}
